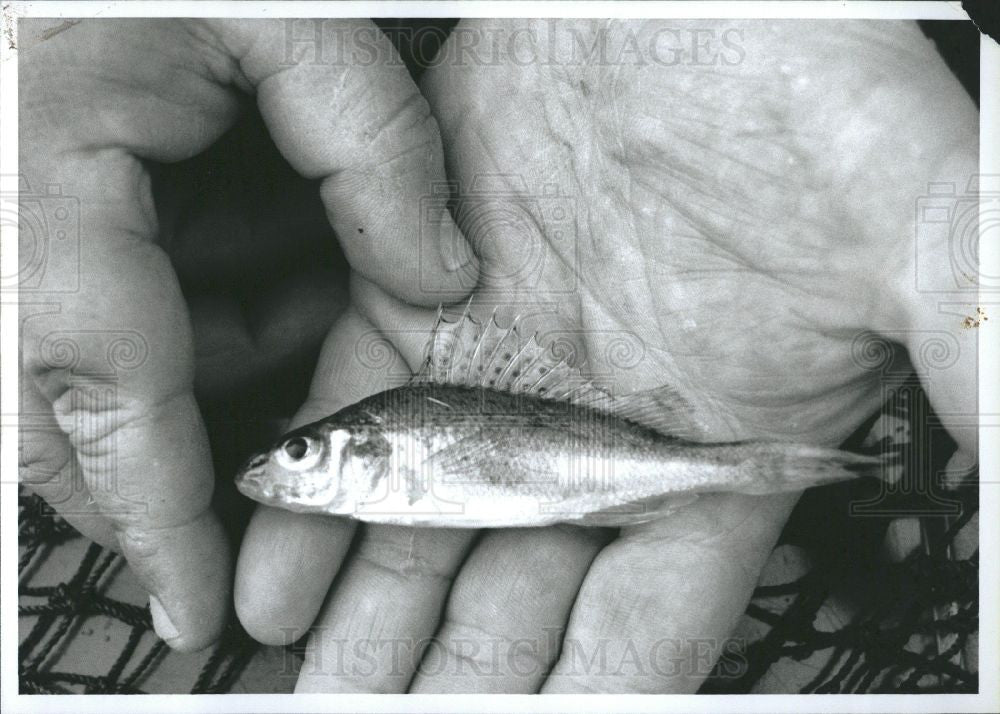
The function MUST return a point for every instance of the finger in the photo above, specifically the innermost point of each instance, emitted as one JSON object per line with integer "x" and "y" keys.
{"x": 404, "y": 608}
{"x": 384, "y": 610}
{"x": 357, "y": 360}
{"x": 933, "y": 300}
{"x": 658, "y": 604}
{"x": 116, "y": 361}
{"x": 951, "y": 379}
{"x": 287, "y": 561}
{"x": 507, "y": 611}
{"x": 135, "y": 428}
{"x": 367, "y": 132}
{"x": 942, "y": 330}
{"x": 286, "y": 564}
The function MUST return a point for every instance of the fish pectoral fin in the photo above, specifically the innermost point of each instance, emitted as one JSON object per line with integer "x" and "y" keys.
{"x": 479, "y": 456}
{"x": 635, "y": 512}
{"x": 465, "y": 454}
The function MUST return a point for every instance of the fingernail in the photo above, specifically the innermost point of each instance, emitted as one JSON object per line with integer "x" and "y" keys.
{"x": 161, "y": 620}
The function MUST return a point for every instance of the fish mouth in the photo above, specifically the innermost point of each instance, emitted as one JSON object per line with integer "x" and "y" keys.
{"x": 257, "y": 487}
{"x": 249, "y": 475}
{"x": 249, "y": 483}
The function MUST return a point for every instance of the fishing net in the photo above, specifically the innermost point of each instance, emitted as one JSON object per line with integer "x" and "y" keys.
{"x": 839, "y": 608}
{"x": 53, "y": 617}
{"x": 861, "y": 615}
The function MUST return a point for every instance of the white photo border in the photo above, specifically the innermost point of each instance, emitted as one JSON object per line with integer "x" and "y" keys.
{"x": 988, "y": 699}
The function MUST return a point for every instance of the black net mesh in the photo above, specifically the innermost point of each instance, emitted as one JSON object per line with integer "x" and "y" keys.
{"x": 859, "y": 619}
{"x": 54, "y": 615}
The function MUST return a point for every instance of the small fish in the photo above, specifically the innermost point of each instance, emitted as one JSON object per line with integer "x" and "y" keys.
{"x": 496, "y": 431}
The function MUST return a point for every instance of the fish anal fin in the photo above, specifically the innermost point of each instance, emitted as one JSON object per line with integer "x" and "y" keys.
{"x": 635, "y": 512}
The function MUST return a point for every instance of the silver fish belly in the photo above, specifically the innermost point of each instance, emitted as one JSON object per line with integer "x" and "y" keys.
{"x": 498, "y": 431}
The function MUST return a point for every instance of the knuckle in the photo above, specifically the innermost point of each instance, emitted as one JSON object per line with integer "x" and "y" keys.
{"x": 89, "y": 418}
{"x": 41, "y": 459}
{"x": 406, "y": 128}
{"x": 478, "y": 645}
{"x": 92, "y": 418}
{"x": 399, "y": 559}
{"x": 467, "y": 644}
{"x": 41, "y": 473}
{"x": 137, "y": 545}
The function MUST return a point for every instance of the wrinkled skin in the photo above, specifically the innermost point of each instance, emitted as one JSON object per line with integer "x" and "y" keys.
{"x": 103, "y": 105}
{"x": 751, "y": 276}
{"x": 746, "y": 222}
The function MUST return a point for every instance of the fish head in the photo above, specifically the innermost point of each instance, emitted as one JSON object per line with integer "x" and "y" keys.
{"x": 299, "y": 472}
{"x": 316, "y": 468}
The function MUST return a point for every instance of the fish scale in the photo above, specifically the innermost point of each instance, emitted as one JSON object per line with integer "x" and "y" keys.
{"x": 496, "y": 430}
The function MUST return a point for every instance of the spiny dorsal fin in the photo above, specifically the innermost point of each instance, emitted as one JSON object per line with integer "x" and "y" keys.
{"x": 464, "y": 352}
{"x": 662, "y": 409}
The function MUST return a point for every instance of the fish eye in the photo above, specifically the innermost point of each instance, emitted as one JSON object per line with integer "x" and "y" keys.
{"x": 298, "y": 452}
{"x": 296, "y": 447}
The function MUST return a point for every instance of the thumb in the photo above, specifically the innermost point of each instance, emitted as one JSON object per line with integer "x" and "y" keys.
{"x": 945, "y": 354}
{"x": 116, "y": 365}
{"x": 113, "y": 357}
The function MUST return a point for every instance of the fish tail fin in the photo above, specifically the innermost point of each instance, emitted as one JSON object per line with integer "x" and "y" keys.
{"x": 779, "y": 467}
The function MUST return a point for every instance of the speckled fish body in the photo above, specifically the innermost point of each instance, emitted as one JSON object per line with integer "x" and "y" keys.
{"x": 497, "y": 432}
{"x": 475, "y": 457}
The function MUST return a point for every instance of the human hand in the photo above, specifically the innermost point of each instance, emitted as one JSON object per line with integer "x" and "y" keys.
{"x": 115, "y": 441}
{"x": 743, "y": 223}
